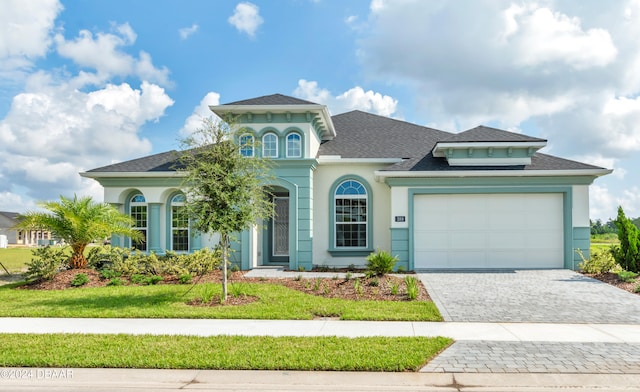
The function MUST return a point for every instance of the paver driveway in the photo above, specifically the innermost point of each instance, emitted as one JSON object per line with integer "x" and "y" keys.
{"x": 535, "y": 296}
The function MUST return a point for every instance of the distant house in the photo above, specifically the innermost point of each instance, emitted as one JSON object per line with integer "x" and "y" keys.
{"x": 346, "y": 185}
{"x": 21, "y": 237}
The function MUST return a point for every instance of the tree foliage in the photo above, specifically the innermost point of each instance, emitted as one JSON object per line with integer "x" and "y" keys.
{"x": 627, "y": 254}
{"x": 79, "y": 221}
{"x": 224, "y": 189}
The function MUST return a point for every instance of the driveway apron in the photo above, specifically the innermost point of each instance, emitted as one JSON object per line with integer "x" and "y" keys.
{"x": 529, "y": 296}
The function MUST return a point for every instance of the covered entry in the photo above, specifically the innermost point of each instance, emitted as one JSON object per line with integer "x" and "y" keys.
{"x": 505, "y": 230}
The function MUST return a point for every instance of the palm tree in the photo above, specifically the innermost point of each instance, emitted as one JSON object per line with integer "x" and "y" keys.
{"x": 79, "y": 221}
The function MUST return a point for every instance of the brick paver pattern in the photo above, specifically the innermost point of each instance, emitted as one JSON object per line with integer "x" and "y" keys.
{"x": 530, "y": 296}
{"x": 537, "y": 357}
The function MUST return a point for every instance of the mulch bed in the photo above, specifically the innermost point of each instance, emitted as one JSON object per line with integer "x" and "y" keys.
{"x": 612, "y": 279}
{"x": 379, "y": 288}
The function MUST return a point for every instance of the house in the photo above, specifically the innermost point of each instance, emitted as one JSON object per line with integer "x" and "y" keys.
{"x": 21, "y": 237}
{"x": 346, "y": 185}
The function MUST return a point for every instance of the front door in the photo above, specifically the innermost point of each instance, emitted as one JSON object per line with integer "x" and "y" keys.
{"x": 280, "y": 230}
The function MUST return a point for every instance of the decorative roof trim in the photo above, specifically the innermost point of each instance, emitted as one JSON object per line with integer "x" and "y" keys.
{"x": 438, "y": 150}
{"x": 321, "y": 110}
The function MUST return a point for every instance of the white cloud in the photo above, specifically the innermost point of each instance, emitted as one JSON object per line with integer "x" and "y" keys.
{"x": 604, "y": 203}
{"x": 103, "y": 53}
{"x": 353, "y": 99}
{"x": 185, "y": 32}
{"x": 25, "y": 34}
{"x": 569, "y": 68}
{"x": 246, "y": 18}
{"x": 200, "y": 112}
{"x": 541, "y": 36}
{"x": 62, "y": 131}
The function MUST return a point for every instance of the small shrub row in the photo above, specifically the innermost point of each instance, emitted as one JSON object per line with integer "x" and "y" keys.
{"x": 46, "y": 262}
{"x": 600, "y": 262}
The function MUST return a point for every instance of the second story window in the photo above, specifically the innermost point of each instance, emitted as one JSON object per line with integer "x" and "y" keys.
{"x": 270, "y": 145}
{"x": 294, "y": 145}
{"x": 138, "y": 211}
{"x": 246, "y": 145}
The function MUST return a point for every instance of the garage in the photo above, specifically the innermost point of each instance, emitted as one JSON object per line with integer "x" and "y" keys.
{"x": 488, "y": 231}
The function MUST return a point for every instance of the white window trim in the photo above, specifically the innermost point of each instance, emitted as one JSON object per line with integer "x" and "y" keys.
{"x": 264, "y": 144}
{"x": 179, "y": 204}
{"x": 365, "y": 197}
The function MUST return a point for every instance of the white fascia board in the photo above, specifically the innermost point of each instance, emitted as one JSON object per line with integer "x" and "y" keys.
{"x": 490, "y": 173}
{"x": 337, "y": 159}
{"x": 489, "y": 161}
{"x": 133, "y": 174}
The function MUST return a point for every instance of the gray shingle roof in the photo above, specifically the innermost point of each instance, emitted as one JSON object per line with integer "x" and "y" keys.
{"x": 274, "y": 99}
{"x": 162, "y": 162}
{"x": 488, "y": 134}
{"x": 538, "y": 162}
{"x": 366, "y": 135}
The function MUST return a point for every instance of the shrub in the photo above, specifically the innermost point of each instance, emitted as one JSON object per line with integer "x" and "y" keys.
{"x": 357, "y": 286}
{"x": 381, "y": 262}
{"x": 185, "y": 278}
{"x": 348, "y": 275}
{"x": 106, "y": 256}
{"x": 138, "y": 279}
{"x": 628, "y": 253}
{"x": 600, "y": 262}
{"x": 109, "y": 274}
{"x": 115, "y": 282}
{"x": 46, "y": 263}
{"x": 627, "y": 276}
{"x": 394, "y": 288}
{"x": 207, "y": 292}
{"x": 637, "y": 289}
{"x": 374, "y": 282}
{"x": 80, "y": 280}
{"x": 155, "y": 279}
{"x": 237, "y": 289}
{"x": 411, "y": 282}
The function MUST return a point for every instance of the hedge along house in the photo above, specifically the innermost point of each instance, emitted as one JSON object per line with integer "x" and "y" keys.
{"x": 346, "y": 185}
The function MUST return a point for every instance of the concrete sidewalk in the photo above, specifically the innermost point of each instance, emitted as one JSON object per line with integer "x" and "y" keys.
{"x": 505, "y": 332}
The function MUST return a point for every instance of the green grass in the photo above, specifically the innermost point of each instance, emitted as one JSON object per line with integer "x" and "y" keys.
{"x": 15, "y": 259}
{"x": 219, "y": 352}
{"x": 169, "y": 301}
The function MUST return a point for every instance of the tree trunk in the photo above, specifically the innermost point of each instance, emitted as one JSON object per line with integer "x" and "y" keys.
{"x": 77, "y": 258}
{"x": 225, "y": 248}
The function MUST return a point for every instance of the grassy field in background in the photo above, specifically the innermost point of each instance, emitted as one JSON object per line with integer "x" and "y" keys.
{"x": 15, "y": 259}
{"x": 219, "y": 352}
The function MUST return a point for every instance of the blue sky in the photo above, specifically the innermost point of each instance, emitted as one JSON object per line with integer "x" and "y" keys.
{"x": 85, "y": 83}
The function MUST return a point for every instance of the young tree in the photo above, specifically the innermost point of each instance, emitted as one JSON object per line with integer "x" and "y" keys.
{"x": 223, "y": 183}
{"x": 79, "y": 221}
{"x": 627, "y": 254}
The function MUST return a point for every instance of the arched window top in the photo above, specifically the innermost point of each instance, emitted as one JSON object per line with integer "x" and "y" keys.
{"x": 138, "y": 198}
{"x": 351, "y": 188}
{"x": 177, "y": 199}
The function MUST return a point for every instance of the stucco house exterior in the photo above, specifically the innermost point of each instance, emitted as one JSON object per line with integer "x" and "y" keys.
{"x": 347, "y": 185}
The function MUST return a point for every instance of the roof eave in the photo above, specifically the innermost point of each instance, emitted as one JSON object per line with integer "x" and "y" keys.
{"x": 158, "y": 174}
{"x": 381, "y": 174}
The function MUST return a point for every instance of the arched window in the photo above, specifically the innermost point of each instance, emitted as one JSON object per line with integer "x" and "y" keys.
{"x": 246, "y": 145}
{"x": 138, "y": 211}
{"x": 179, "y": 224}
{"x": 270, "y": 145}
{"x": 294, "y": 145}
{"x": 351, "y": 223}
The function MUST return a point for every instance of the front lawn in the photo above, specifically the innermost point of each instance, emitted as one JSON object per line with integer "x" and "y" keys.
{"x": 219, "y": 352}
{"x": 170, "y": 301}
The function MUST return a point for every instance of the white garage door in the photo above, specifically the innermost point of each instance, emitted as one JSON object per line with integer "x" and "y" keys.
{"x": 488, "y": 231}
